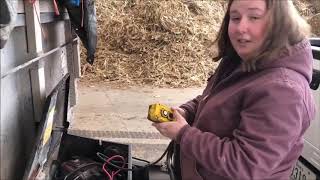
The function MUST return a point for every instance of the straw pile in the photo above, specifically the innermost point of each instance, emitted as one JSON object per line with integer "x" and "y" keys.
{"x": 160, "y": 43}
{"x": 310, "y": 10}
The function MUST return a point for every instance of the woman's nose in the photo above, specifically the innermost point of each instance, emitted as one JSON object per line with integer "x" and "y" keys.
{"x": 243, "y": 25}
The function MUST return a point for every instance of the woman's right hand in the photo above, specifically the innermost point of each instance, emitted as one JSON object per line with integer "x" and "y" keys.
{"x": 181, "y": 111}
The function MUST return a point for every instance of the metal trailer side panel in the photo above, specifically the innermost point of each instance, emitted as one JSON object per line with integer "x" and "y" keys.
{"x": 17, "y": 121}
{"x": 18, "y": 124}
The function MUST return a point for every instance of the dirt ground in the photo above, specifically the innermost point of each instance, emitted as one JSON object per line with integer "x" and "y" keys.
{"x": 118, "y": 113}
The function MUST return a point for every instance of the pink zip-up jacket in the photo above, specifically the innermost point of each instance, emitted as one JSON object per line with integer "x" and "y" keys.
{"x": 249, "y": 125}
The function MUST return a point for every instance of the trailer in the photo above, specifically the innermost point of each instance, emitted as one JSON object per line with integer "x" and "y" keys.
{"x": 42, "y": 48}
{"x": 40, "y": 66}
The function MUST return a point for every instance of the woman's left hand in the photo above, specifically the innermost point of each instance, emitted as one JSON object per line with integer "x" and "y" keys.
{"x": 171, "y": 129}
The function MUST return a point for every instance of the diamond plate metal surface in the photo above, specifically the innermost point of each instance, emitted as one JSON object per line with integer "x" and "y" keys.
{"x": 116, "y": 134}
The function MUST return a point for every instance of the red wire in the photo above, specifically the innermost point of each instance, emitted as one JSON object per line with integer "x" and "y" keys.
{"x": 56, "y": 9}
{"x": 33, "y": 4}
{"x": 113, "y": 173}
{"x": 32, "y": 1}
{"x": 55, "y": 5}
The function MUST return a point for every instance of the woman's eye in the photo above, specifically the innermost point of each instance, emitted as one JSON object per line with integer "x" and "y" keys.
{"x": 235, "y": 19}
{"x": 254, "y": 18}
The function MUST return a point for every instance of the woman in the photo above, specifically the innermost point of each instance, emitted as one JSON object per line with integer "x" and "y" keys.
{"x": 249, "y": 121}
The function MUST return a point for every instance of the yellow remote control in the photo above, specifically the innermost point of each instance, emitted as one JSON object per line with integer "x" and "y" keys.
{"x": 160, "y": 113}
